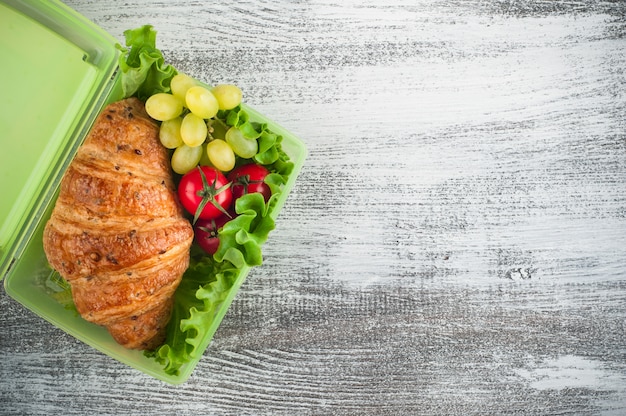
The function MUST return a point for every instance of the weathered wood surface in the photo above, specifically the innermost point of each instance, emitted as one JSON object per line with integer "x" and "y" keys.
{"x": 456, "y": 242}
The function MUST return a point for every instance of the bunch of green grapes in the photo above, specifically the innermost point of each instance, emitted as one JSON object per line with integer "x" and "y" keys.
{"x": 189, "y": 125}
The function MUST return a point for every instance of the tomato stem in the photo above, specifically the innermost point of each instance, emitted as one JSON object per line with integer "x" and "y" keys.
{"x": 208, "y": 193}
{"x": 245, "y": 181}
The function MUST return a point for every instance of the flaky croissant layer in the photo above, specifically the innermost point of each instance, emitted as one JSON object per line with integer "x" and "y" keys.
{"x": 117, "y": 232}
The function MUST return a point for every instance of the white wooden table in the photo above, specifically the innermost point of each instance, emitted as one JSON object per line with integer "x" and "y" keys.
{"x": 455, "y": 244}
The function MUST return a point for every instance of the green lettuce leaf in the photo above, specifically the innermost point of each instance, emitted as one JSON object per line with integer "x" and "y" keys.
{"x": 203, "y": 289}
{"x": 241, "y": 238}
{"x": 269, "y": 142}
{"x": 143, "y": 67}
{"x": 209, "y": 280}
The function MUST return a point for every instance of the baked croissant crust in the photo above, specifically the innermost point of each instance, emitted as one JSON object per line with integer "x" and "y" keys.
{"x": 117, "y": 233}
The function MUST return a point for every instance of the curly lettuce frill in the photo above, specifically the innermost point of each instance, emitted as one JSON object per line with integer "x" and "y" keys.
{"x": 203, "y": 289}
{"x": 209, "y": 280}
{"x": 144, "y": 72}
{"x": 269, "y": 142}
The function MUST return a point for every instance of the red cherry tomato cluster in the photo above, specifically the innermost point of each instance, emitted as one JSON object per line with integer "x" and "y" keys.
{"x": 210, "y": 197}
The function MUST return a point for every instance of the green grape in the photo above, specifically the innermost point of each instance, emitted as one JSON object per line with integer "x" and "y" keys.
{"x": 217, "y": 129}
{"x": 179, "y": 85}
{"x": 193, "y": 130}
{"x": 221, "y": 155}
{"x": 163, "y": 106}
{"x": 169, "y": 133}
{"x": 186, "y": 158}
{"x": 228, "y": 96}
{"x": 243, "y": 147}
{"x": 204, "y": 159}
{"x": 201, "y": 102}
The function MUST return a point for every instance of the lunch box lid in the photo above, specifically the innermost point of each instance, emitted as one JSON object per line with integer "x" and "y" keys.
{"x": 58, "y": 70}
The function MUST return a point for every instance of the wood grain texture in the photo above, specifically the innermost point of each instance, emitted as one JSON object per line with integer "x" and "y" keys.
{"x": 455, "y": 243}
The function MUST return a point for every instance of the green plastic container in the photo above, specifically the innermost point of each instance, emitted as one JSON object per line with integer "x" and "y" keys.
{"x": 58, "y": 71}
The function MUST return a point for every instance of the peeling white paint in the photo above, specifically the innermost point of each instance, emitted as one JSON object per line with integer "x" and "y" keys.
{"x": 569, "y": 371}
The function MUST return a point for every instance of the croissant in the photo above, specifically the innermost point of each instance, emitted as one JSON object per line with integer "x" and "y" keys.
{"x": 117, "y": 233}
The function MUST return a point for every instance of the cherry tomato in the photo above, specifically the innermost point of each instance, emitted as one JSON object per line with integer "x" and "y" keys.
{"x": 248, "y": 179}
{"x": 205, "y": 193}
{"x": 206, "y": 233}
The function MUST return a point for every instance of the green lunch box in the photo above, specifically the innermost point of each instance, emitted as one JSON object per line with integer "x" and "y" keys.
{"x": 59, "y": 70}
